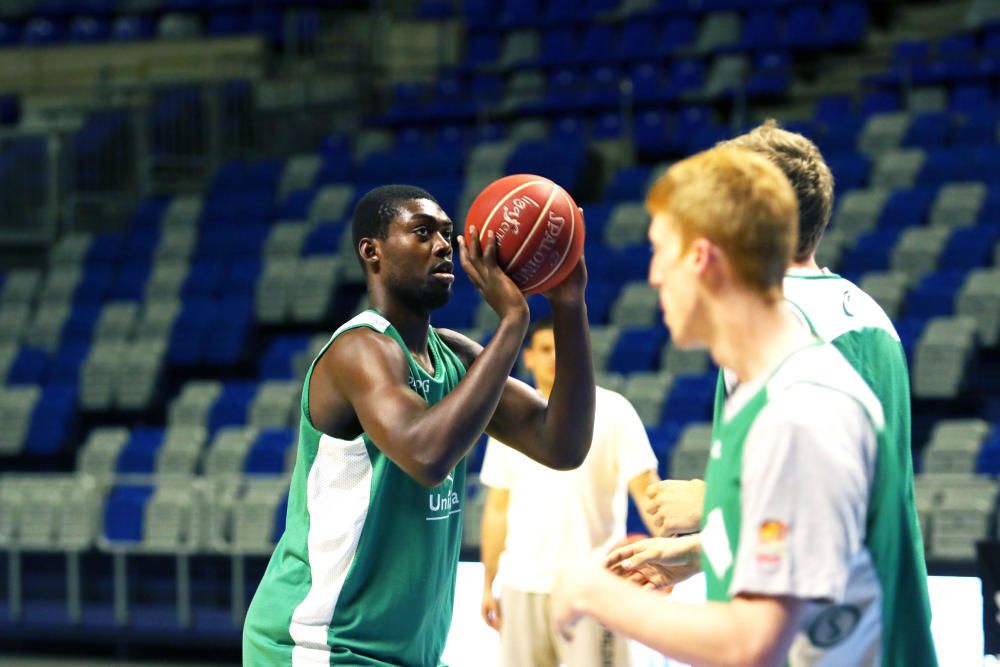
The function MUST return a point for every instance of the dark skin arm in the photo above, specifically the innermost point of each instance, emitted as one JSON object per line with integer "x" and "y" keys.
{"x": 360, "y": 384}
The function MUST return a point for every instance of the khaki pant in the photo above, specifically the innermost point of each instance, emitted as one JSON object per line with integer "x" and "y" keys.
{"x": 529, "y": 639}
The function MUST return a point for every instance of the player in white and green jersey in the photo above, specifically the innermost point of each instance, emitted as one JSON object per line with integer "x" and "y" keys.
{"x": 364, "y": 573}
{"x": 805, "y": 538}
{"x": 835, "y": 310}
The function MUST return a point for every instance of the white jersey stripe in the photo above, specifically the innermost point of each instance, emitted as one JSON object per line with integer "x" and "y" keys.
{"x": 338, "y": 493}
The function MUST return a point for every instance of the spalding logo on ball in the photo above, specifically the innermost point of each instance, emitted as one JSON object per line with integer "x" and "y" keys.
{"x": 538, "y": 228}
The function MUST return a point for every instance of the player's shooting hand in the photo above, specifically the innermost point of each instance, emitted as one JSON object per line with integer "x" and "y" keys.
{"x": 491, "y": 609}
{"x": 662, "y": 561}
{"x": 480, "y": 264}
{"x": 571, "y": 290}
{"x": 675, "y": 506}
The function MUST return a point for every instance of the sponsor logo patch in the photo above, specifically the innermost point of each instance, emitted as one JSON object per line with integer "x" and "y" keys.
{"x": 772, "y": 541}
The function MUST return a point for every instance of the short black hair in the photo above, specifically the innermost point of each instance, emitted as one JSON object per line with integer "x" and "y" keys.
{"x": 378, "y": 207}
{"x": 541, "y": 324}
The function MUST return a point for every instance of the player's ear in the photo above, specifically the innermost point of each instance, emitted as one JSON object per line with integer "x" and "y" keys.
{"x": 370, "y": 252}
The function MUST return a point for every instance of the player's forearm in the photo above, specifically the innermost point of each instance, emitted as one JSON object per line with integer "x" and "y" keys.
{"x": 492, "y": 538}
{"x": 710, "y": 635}
{"x": 447, "y": 431}
{"x": 567, "y": 427}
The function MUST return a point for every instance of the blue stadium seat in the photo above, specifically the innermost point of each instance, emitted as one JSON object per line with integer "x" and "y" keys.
{"x": 482, "y": 48}
{"x": 230, "y": 409}
{"x": 910, "y": 329}
{"x": 94, "y": 286}
{"x": 188, "y": 334}
{"x": 241, "y": 277}
{"x": 30, "y": 367}
{"x": 905, "y": 208}
{"x": 871, "y": 252}
{"x": 225, "y": 24}
{"x": 679, "y": 32}
{"x": 231, "y": 325}
{"x": 324, "y": 239}
{"x": 771, "y": 75}
{"x": 596, "y": 42}
{"x": 628, "y": 184}
{"x": 600, "y": 298}
{"x": 89, "y": 29}
{"x": 928, "y": 130}
{"x": 67, "y": 360}
{"x": 267, "y": 453}
{"x": 79, "y": 326}
{"x": 847, "y": 23}
{"x": 557, "y": 47}
{"x": 130, "y": 281}
{"x": 691, "y": 399}
{"x": 203, "y": 280}
{"x": 10, "y": 33}
{"x": 637, "y": 350}
{"x": 969, "y": 248}
{"x": 850, "y": 170}
{"x": 804, "y": 28}
{"x": 639, "y": 40}
{"x": 662, "y": 439}
{"x": 276, "y": 364}
{"x": 934, "y": 295}
{"x": 124, "y": 512}
{"x": 686, "y": 75}
{"x": 296, "y": 205}
{"x": 132, "y": 28}
{"x": 649, "y": 86}
{"x": 653, "y": 137}
{"x": 139, "y": 453}
{"x": 762, "y": 29}
{"x": 988, "y": 461}
{"x": 53, "y": 420}
{"x": 40, "y": 31}
{"x": 460, "y": 311}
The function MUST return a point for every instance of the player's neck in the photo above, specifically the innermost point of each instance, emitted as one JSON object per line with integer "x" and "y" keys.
{"x": 809, "y": 264}
{"x": 410, "y": 324}
{"x": 751, "y": 335}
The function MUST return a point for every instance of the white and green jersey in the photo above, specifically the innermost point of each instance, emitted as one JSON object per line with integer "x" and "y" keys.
{"x": 365, "y": 571}
{"x": 798, "y": 503}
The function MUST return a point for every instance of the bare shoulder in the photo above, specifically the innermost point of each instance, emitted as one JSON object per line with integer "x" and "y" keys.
{"x": 464, "y": 347}
{"x": 357, "y": 353}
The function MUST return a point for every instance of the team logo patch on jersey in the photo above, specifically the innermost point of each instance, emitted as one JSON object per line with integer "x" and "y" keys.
{"x": 771, "y": 544}
{"x": 833, "y": 625}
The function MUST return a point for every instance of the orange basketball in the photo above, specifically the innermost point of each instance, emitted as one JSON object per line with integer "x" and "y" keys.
{"x": 538, "y": 228}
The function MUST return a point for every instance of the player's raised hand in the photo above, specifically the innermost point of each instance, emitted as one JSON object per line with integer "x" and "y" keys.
{"x": 480, "y": 263}
{"x": 571, "y": 290}
{"x": 675, "y": 506}
{"x": 662, "y": 561}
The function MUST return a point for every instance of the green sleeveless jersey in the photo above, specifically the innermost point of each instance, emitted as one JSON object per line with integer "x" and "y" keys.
{"x": 818, "y": 509}
{"x": 364, "y": 573}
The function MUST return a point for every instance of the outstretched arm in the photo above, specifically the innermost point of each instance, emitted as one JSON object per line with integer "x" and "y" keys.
{"x": 750, "y": 630}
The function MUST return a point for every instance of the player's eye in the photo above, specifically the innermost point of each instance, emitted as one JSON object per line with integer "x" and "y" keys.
{"x": 446, "y": 233}
{"x": 421, "y": 232}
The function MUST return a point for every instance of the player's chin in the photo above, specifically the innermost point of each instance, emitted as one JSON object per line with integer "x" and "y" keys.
{"x": 435, "y": 296}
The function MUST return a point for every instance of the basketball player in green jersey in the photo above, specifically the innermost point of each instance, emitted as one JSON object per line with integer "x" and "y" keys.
{"x": 365, "y": 571}
{"x": 803, "y": 541}
{"x": 834, "y": 309}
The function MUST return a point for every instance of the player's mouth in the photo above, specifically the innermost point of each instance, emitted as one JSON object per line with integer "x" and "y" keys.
{"x": 445, "y": 271}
